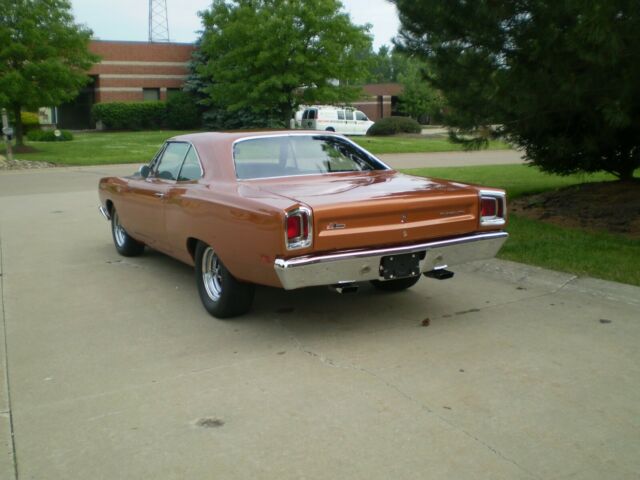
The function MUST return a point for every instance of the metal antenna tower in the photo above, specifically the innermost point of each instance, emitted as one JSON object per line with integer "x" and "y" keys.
{"x": 158, "y": 21}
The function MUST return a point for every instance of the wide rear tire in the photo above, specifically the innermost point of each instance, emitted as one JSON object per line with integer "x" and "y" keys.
{"x": 222, "y": 295}
{"x": 395, "y": 285}
{"x": 126, "y": 245}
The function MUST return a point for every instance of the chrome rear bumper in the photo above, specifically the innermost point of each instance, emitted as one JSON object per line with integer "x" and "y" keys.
{"x": 104, "y": 212}
{"x": 362, "y": 265}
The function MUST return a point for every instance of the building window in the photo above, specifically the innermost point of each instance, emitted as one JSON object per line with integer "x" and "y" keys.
{"x": 151, "y": 94}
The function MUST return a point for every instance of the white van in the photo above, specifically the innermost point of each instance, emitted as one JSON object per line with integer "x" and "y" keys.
{"x": 335, "y": 119}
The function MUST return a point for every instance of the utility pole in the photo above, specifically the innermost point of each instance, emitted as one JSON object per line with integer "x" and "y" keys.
{"x": 158, "y": 21}
{"x": 7, "y": 133}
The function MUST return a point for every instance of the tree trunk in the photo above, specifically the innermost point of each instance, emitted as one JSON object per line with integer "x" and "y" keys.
{"x": 627, "y": 167}
{"x": 626, "y": 175}
{"x": 17, "y": 110}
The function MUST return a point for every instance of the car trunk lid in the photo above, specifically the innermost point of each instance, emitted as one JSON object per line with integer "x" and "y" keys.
{"x": 380, "y": 208}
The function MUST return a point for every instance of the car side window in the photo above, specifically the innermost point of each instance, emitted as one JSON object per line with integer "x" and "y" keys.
{"x": 312, "y": 114}
{"x": 349, "y": 114}
{"x": 169, "y": 165}
{"x": 340, "y": 114}
{"x": 191, "y": 169}
{"x": 361, "y": 116}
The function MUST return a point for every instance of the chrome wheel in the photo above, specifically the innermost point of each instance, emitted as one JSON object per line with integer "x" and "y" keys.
{"x": 212, "y": 274}
{"x": 118, "y": 231}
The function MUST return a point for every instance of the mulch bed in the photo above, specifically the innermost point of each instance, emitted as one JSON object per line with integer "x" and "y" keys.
{"x": 22, "y": 164}
{"x": 612, "y": 207}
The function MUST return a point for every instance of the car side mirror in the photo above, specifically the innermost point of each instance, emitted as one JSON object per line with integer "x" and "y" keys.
{"x": 144, "y": 171}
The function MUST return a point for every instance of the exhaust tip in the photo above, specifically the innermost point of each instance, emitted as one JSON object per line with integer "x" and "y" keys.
{"x": 344, "y": 288}
{"x": 439, "y": 274}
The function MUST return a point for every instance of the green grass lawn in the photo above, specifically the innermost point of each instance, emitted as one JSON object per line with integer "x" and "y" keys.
{"x": 100, "y": 148}
{"x": 517, "y": 180}
{"x": 601, "y": 255}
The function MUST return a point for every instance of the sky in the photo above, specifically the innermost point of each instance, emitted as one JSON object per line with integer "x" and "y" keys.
{"x": 128, "y": 19}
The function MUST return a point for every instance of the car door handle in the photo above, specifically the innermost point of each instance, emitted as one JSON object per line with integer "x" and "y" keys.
{"x": 158, "y": 194}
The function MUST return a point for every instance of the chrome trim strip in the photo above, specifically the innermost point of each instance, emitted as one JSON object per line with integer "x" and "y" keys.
{"x": 362, "y": 265}
{"x": 104, "y": 212}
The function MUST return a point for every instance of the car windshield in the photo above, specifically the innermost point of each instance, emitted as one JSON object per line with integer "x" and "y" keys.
{"x": 290, "y": 155}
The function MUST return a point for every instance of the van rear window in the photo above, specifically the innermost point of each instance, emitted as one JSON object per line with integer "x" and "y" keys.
{"x": 291, "y": 155}
{"x": 312, "y": 114}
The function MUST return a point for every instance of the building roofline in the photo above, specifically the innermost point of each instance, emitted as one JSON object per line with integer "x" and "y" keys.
{"x": 142, "y": 42}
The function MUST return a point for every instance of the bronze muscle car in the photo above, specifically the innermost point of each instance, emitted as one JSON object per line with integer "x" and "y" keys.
{"x": 296, "y": 209}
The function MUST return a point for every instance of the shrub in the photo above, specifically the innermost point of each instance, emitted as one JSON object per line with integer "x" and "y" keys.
{"x": 30, "y": 121}
{"x": 49, "y": 136}
{"x": 182, "y": 112}
{"x": 130, "y": 116}
{"x": 394, "y": 125}
{"x": 218, "y": 118}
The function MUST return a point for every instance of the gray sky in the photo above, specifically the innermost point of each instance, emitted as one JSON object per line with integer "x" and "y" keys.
{"x": 128, "y": 19}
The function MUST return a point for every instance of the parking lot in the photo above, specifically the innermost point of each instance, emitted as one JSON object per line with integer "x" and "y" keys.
{"x": 112, "y": 369}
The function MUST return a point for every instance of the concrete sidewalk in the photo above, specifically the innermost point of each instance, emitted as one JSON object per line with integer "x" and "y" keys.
{"x": 116, "y": 371}
{"x": 452, "y": 159}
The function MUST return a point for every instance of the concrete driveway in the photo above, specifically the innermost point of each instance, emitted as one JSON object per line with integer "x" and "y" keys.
{"x": 113, "y": 369}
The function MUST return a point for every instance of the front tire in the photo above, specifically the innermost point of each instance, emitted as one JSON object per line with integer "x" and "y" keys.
{"x": 126, "y": 245}
{"x": 396, "y": 285}
{"x": 222, "y": 295}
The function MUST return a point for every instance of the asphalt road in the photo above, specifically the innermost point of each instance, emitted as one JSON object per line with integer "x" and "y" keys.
{"x": 115, "y": 371}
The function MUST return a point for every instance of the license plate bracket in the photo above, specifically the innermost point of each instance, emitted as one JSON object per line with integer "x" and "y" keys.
{"x": 400, "y": 266}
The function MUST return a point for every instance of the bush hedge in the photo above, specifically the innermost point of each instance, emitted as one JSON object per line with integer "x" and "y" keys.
{"x": 49, "y": 136}
{"x": 182, "y": 112}
{"x": 130, "y": 116}
{"x": 394, "y": 125}
{"x": 179, "y": 112}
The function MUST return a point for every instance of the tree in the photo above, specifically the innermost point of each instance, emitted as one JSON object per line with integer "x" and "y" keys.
{"x": 385, "y": 65}
{"x": 268, "y": 56}
{"x": 419, "y": 99}
{"x": 562, "y": 79}
{"x": 43, "y": 55}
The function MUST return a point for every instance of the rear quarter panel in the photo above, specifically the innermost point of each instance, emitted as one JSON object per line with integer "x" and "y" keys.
{"x": 244, "y": 226}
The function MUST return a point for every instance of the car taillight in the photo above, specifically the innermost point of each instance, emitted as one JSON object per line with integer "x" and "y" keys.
{"x": 488, "y": 207}
{"x": 294, "y": 227}
{"x": 493, "y": 208}
{"x": 298, "y": 224}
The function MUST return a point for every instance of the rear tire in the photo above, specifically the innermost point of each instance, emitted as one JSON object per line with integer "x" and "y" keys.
{"x": 222, "y": 295}
{"x": 330, "y": 129}
{"x": 126, "y": 245}
{"x": 395, "y": 285}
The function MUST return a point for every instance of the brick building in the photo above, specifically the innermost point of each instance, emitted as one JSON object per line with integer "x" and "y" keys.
{"x": 137, "y": 71}
{"x": 141, "y": 71}
{"x": 128, "y": 72}
{"x": 379, "y": 100}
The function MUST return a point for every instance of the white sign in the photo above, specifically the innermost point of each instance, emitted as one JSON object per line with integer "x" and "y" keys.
{"x": 45, "y": 116}
{"x": 8, "y": 131}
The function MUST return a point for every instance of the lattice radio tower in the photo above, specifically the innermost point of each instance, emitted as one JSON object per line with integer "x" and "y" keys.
{"x": 158, "y": 21}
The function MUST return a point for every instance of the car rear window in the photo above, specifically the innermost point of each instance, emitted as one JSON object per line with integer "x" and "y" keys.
{"x": 291, "y": 155}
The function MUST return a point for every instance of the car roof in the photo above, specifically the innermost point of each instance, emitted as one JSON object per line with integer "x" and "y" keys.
{"x": 215, "y": 149}
{"x": 232, "y": 136}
